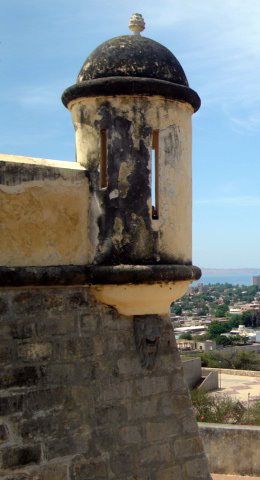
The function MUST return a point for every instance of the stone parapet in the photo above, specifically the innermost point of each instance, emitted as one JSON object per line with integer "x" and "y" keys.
{"x": 232, "y": 449}
{"x": 76, "y": 402}
{"x": 43, "y": 212}
{"x": 231, "y": 371}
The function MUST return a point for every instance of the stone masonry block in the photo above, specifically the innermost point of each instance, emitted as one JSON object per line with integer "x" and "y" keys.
{"x": 111, "y": 415}
{"x": 154, "y": 454}
{"x": 116, "y": 322}
{"x": 121, "y": 342}
{"x": 145, "y": 408}
{"x": 166, "y": 406}
{"x": 52, "y": 471}
{"x": 181, "y": 403}
{"x": 81, "y": 395}
{"x": 3, "y": 306}
{"x": 61, "y": 374}
{"x": 88, "y": 323}
{"x": 129, "y": 366}
{"x": 73, "y": 348}
{"x": 139, "y": 477}
{"x": 196, "y": 468}
{"x": 161, "y": 430}
{"x": 5, "y": 329}
{"x": 77, "y": 299}
{"x": 189, "y": 423}
{"x": 28, "y": 302}
{"x": 104, "y": 439}
{"x": 19, "y": 377}
{"x": 7, "y": 352}
{"x": 23, "y": 328}
{"x": 43, "y": 398}
{"x": 125, "y": 460}
{"x": 130, "y": 434}
{"x": 4, "y": 433}
{"x": 64, "y": 445}
{"x": 115, "y": 392}
{"x": 92, "y": 469}
{"x": 50, "y": 423}
{"x": 151, "y": 385}
{"x": 188, "y": 447}
{"x": 29, "y": 352}
{"x": 64, "y": 324}
{"x": 177, "y": 384}
{"x": 19, "y": 456}
{"x": 99, "y": 346}
{"x": 10, "y": 403}
{"x": 171, "y": 473}
{"x": 19, "y": 476}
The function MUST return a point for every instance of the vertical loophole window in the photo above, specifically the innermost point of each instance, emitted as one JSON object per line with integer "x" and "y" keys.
{"x": 103, "y": 159}
{"x": 155, "y": 175}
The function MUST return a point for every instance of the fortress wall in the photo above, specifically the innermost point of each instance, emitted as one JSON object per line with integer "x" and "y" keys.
{"x": 75, "y": 402}
{"x": 43, "y": 212}
{"x": 192, "y": 371}
{"x": 232, "y": 449}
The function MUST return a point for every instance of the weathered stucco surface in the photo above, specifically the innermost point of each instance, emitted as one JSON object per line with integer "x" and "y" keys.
{"x": 232, "y": 449}
{"x": 76, "y": 402}
{"x": 143, "y": 299}
{"x": 120, "y": 216}
{"x": 43, "y": 212}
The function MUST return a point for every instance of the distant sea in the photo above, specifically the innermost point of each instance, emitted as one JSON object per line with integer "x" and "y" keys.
{"x": 233, "y": 279}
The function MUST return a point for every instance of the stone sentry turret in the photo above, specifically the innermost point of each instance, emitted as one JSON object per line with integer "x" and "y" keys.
{"x": 92, "y": 253}
{"x": 131, "y": 108}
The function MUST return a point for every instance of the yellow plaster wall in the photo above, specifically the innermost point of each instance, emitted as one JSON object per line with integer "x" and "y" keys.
{"x": 144, "y": 299}
{"x": 43, "y": 212}
{"x": 173, "y": 120}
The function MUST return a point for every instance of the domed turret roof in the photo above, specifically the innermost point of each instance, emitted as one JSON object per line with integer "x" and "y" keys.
{"x": 132, "y": 65}
{"x": 132, "y": 56}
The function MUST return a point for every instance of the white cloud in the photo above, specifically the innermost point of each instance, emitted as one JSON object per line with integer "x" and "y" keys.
{"x": 222, "y": 55}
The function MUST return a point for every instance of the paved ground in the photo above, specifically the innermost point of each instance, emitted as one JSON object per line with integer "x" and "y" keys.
{"x": 240, "y": 387}
{"x": 217, "y": 476}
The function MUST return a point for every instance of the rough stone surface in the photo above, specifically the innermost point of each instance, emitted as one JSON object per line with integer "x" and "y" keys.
{"x": 75, "y": 401}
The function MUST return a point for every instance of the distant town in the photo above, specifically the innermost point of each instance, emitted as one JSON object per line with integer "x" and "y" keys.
{"x": 215, "y": 316}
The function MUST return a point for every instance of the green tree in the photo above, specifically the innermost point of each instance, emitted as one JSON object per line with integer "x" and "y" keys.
{"x": 221, "y": 310}
{"x": 251, "y": 318}
{"x": 185, "y": 336}
{"x": 216, "y": 328}
{"x": 235, "y": 320}
{"x": 235, "y": 359}
{"x": 177, "y": 309}
{"x": 203, "y": 310}
{"x": 223, "y": 340}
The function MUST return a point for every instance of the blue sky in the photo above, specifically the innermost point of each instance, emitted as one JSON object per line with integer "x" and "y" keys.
{"x": 43, "y": 45}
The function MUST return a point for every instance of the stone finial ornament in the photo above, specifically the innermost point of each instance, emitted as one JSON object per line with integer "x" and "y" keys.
{"x": 136, "y": 23}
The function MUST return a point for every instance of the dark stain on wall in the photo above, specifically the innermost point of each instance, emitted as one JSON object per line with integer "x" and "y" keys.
{"x": 13, "y": 173}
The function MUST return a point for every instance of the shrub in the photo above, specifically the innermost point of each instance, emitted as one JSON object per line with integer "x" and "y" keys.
{"x": 214, "y": 409}
{"x": 235, "y": 359}
{"x": 252, "y": 416}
